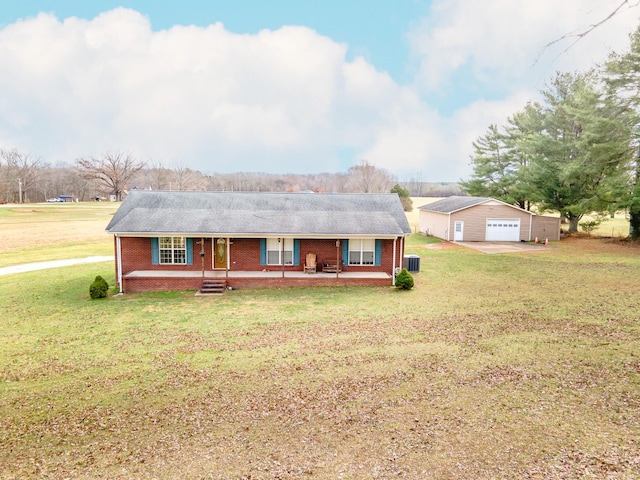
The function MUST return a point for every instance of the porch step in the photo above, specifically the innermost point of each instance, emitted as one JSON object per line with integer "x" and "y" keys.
{"x": 213, "y": 287}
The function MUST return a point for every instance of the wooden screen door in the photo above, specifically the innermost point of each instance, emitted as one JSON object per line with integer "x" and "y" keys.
{"x": 220, "y": 253}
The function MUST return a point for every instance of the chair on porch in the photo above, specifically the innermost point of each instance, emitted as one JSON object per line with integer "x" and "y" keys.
{"x": 310, "y": 263}
{"x": 331, "y": 266}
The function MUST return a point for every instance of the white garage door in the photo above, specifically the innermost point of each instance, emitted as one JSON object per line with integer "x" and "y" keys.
{"x": 503, "y": 230}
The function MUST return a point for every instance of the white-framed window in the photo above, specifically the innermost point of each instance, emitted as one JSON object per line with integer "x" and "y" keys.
{"x": 362, "y": 251}
{"x": 172, "y": 250}
{"x": 276, "y": 250}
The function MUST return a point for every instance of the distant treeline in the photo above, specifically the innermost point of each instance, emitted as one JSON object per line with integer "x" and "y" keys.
{"x": 24, "y": 178}
{"x": 432, "y": 189}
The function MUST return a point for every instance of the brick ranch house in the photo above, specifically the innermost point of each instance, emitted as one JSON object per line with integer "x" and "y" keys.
{"x": 209, "y": 241}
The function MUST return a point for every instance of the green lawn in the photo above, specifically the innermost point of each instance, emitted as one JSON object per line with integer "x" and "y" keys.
{"x": 493, "y": 366}
{"x": 61, "y": 251}
{"x": 42, "y": 232}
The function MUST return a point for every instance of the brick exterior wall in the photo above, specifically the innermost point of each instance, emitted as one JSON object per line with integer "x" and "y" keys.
{"x": 244, "y": 254}
{"x": 325, "y": 251}
{"x": 152, "y": 284}
{"x": 155, "y": 284}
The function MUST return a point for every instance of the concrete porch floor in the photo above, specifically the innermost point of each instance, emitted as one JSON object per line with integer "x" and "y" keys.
{"x": 252, "y": 274}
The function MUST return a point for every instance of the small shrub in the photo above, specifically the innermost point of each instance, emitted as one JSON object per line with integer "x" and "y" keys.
{"x": 99, "y": 288}
{"x": 589, "y": 227}
{"x": 404, "y": 280}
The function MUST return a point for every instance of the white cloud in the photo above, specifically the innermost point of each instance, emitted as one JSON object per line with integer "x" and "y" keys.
{"x": 499, "y": 41}
{"x": 280, "y": 101}
{"x": 283, "y": 100}
{"x": 473, "y": 120}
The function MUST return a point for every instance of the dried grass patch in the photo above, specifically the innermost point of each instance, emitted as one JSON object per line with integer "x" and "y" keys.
{"x": 501, "y": 366}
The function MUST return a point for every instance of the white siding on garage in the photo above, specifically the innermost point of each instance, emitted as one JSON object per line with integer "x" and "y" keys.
{"x": 435, "y": 225}
{"x": 503, "y": 230}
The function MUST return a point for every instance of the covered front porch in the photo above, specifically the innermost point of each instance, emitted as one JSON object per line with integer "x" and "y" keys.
{"x": 153, "y": 280}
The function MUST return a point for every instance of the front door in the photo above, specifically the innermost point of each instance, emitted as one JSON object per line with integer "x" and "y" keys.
{"x": 219, "y": 253}
{"x": 458, "y": 231}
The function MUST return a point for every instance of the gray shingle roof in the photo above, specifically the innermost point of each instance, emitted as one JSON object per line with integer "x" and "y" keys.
{"x": 453, "y": 204}
{"x": 245, "y": 214}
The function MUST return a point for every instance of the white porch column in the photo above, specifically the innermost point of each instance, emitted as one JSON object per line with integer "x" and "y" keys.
{"x": 119, "y": 263}
{"x": 395, "y": 240}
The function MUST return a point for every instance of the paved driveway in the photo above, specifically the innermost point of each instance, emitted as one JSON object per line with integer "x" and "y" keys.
{"x": 30, "y": 267}
{"x": 505, "y": 247}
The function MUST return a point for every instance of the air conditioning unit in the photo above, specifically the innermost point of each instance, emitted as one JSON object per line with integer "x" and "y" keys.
{"x": 412, "y": 263}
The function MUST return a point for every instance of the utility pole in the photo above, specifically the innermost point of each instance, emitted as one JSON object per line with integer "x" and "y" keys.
{"x": 19, "y": 190}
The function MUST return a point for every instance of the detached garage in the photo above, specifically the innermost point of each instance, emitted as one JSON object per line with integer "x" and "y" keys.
{"x": 482, "y": 219}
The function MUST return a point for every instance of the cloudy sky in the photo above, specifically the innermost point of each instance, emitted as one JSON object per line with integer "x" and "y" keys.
{"x": 285, "y": 86}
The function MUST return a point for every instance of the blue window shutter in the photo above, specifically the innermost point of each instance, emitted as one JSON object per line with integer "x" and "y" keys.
{"x": 263, "y": 251}
{"x": 155, "y": 251}
{"x": 189, "y": 251}
{"x": 378, "y": 254}
{"x": 296, "y": 252}
{"x": 345, "y": 252}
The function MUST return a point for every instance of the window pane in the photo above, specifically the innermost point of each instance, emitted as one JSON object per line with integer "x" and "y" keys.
{"x": 164, "y": 242}
{"x": 288, "y": 258}
{"x": 179, "y": 242}
{"x": 273, "y": 258}
{"x": 354, "y": 258}
{"x": 367, "y": 258}
{"x": 165, "y": 256}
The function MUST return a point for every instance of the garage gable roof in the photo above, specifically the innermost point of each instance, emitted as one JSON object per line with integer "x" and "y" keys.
{"x": 245, "y": 214}
{"x": 453, "y": 204}
{"x": 456, "y": 203}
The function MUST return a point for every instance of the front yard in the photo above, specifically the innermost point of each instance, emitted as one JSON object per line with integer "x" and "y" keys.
{"x": 493, "y": 366}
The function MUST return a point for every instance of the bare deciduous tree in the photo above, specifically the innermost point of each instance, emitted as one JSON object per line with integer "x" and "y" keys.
{"x": 20, "y": 173}
{"x": 112, "y": 171}
{"x": 579, "y": 34}
{"x": 185, "y": 178}
{"x": 65, "y": 179}
{"x": 159, "y": 176}
{"x": 366, "y": 178}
